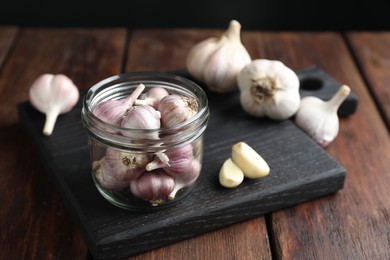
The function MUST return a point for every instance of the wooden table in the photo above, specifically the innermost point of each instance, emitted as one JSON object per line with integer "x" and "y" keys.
{"x": 353, "y": 223}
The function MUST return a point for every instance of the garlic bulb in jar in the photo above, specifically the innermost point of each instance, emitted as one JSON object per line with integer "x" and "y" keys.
{"x": 217, "y": 61}
{"x": 268, "y": 88}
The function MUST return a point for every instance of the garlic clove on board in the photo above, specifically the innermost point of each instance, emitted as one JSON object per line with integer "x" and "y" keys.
{"x": 230, "y": 175}
{"x": 268, "y": 88}
{"x": 319, "y": 118}
{"x": 53, "y": 95}
{"x": 112, "y": 111}
{"x": 217, "y": 61}
{"x": 249, "y": 161}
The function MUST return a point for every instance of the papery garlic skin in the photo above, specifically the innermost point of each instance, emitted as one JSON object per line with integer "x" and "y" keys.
{"x": 268, "y": 88}
{"x": 53, "y": 95}
{"x": 319, "y": 118}
{"x": 217, "y": 61}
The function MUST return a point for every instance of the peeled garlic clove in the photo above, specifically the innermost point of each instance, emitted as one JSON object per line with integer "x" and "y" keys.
{"x": 53, "y": 95}
{"x": 125, "y": 165}
{"x": 249, "y": 161}
{"x": 102, "y": 171}
{"x": 268, "y": 88}
{"x": 217, "y": 62}
{"x": 112, "y": 111}
{"x": 152, "y": 97}
{"x": 154, "y": 186}
{"x": 230, "y": 175}
{"x": 319, "y": 118}
{"x": 141, "y": 117}
{"x": 176, "y": 109}
{"x": 186, "y": 178}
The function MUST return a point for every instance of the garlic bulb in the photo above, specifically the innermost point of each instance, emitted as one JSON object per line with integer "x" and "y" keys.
{"x": 217, "y": 61}
{"x": 176, "y": 109}
{"x": 104, "y": 176}
{"x": 112, "y": 111}
{"x": 152, "y": 97}
{"x": 53, "y": 95}
{"x": 269, "y": 88}
{"x": 187, "y": 178}
{"x": 154, "y": 186}
{"x": 319, "y": 118}
{"x": 141, "y": 117}
{"x": 126, "y": 165}
{"x": 179, "y": 161}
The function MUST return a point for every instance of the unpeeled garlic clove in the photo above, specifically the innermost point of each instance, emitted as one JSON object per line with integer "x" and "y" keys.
{"x": 217, "y": 61}
{"x": 249, "y": 161}
{"x": 186, "y": 178}
{"x": 53, "y": 95}
{"x": 319, "y": 118}
{"x": 141, "y": 117}
{"x": 230, "y": 175}
{"x": 112, "y": 111}
{"x": 154, "y": 186}
{"x": 126, "y": 166}
{"x": 176, "y": 109}
{"x": 152, "y": 97}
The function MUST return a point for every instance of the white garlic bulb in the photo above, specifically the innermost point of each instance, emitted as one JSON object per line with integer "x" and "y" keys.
{"x": 269, "y": 88}
{"x": 319, "y": 118}
{"x": 217, "y": 61}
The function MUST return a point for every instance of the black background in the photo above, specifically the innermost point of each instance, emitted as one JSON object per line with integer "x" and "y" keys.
{"x": 252, "y": 14}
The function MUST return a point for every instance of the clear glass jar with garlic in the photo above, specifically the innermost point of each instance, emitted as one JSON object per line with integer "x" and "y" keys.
{"x": 145, "y": 134}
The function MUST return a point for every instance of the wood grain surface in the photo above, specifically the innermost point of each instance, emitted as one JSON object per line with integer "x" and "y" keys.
{"x": 351, "y": 224}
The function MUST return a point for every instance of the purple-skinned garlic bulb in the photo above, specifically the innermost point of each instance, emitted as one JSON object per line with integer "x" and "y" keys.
{"x": 126, "y": 166}
{"x": 103, "y": 173}
{"x": 319, "y": 118}
{"x": 152, "y": 97}
{"x": 154, "y": 186}
{"x": 186, "y": 179}
{"x": 112, "y": 111}
{"x": 53, "y": 95}
{"x": 176, "y": 109}
{"x": 141, "y": 117}
{"x": 179, "y": 161}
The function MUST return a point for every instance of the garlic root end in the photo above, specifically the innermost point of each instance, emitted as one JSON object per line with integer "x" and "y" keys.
{"x": 51, "y": 118}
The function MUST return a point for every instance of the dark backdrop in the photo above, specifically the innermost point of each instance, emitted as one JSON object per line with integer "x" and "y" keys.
{"x": 252, "y": 14}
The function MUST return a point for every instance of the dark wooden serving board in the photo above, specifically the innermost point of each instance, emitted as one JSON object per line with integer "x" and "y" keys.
{"x": 300, "y": 171}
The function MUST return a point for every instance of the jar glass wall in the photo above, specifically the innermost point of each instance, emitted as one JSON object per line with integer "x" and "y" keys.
{"x": 145, "y": 169}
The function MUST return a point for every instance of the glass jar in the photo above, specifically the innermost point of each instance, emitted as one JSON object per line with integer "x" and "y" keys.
{"x": 145, "y": 169}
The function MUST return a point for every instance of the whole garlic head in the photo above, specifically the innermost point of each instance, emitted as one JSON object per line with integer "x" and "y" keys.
{"x": 217, "y": 61}
{"x": 319, "y": 118}
{"x": 269, "y": 88}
